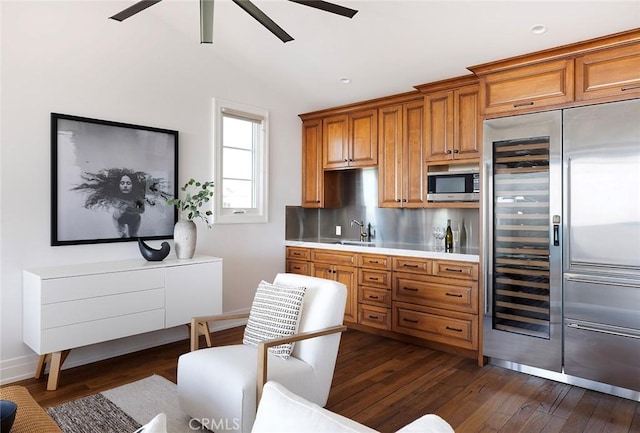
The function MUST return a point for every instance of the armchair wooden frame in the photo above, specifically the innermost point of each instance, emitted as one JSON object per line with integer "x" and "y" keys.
{"x": 201, "y": 325}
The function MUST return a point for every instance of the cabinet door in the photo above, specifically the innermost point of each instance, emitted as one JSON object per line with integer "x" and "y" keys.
{"x": 347, "y": 276}
{"x": 468, "y": 123}
{"x": 414, "y": 158}
{"x": 363, "y": 138}
{"x": 438, "y": 125}
{"x": 609, "y": 74}
{"x": 528, "y": 88}
{"x": 335, "y": 149}
{"x": 192, "y": 290}
{"x": 390, "y": 161}
{"x": 312, "y": 173}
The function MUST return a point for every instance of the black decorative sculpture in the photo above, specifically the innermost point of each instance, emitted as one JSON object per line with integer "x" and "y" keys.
{"x": 151, "y": 254}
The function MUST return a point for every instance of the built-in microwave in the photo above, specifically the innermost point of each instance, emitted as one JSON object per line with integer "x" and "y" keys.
{"x": 453, "y": 186}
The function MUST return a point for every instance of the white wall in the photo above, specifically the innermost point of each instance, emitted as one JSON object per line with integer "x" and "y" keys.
{"x": 67, "y": 57}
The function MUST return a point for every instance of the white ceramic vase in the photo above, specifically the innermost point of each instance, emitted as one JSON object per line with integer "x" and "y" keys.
{"x": 185, "y": 236}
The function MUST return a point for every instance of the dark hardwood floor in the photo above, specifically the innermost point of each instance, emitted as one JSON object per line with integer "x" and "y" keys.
{"x": 386, "y": 384}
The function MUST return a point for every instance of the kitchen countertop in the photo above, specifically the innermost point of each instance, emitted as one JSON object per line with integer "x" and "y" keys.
{"x": 389, "y": 248}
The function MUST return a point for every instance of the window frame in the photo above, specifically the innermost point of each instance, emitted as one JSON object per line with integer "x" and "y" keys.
{"x": 259, "y": 213}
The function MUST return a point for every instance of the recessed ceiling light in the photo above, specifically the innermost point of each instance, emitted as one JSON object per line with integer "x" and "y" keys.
{"x": 538, "y": 29}
{"x": 345, "y": 80}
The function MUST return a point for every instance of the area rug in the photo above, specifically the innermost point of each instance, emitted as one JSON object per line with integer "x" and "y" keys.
{"x": 124, "y": 409}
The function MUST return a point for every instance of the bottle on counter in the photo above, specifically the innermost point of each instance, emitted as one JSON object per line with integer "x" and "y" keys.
{"x": 448, "y": 238}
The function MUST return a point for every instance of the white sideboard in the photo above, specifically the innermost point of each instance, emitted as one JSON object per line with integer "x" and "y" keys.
{"x": 66, "y": 307}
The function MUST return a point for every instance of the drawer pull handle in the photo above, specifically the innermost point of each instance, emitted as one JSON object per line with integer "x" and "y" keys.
{"x": 454, "y": 295}
{"x": 449, "y": 328}
{"x": 523, "y": 104}
{"x": 295, "y": 254}
{"x": 406, "y": 265}
{"x": 374, "y": 262}
{"x": 374, "y": 278}
{"x": 409, "y": 320}
{"x": 633, "y": 86}
{"x": 297, "y": 268}
{"x": 452, "y": 270}
{"x": 411, "y": 289}
{"x": 373, "y": 317}
{"x": 373, "y": 297}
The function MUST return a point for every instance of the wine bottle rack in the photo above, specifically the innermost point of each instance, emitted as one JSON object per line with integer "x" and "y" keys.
{"x": 521, "y": 236}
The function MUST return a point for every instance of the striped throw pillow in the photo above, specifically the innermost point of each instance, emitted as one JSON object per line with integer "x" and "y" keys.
{"x": 275, "y": 313}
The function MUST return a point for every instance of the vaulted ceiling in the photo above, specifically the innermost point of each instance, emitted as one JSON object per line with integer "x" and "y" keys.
{"x": 389, "y": 45}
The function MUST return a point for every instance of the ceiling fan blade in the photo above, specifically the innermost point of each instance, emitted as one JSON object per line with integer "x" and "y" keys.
{"x": 132, "y": 10}
{"x": 328, "y": 7}
{"x": 206, "y": 21}
{"x": 263, "y": 19}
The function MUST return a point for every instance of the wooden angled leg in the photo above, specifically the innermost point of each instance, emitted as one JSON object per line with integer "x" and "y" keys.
{"x": 42, "y": 363}
{"x": 204, "y": 328}
{"x": 57, "y": 359}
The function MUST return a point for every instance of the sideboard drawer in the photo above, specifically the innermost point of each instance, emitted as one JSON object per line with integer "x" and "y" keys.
{"x": 89, "y": 286}
{"x": 103, "y": 307}
{"x": 97, "y": 331}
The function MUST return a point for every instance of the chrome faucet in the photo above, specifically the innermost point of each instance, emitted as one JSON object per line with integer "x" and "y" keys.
{"x": 364, "y": 234}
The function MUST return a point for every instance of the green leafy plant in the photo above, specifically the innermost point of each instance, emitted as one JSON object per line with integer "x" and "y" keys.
{"x": 196, "y": 195}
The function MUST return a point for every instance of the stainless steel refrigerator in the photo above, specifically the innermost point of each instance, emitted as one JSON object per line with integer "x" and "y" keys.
{"x": 562, "y": 243}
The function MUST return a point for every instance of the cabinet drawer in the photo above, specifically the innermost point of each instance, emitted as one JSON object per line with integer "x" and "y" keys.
{"x": 374, "y": 261}
{"x": 297, "y": 253}
{"x": 334, "y": 257}
{"x": 436, "y": 292}
{"x": 462, "y": 270}
{"x": 372, "y": 296}
{"x": 456, "y": 329}
{"x": 102, "y": 307}
{"x": 296, "y": 267}
{"x": 410, "y": 264}
{"x": 90, "y": 286}
{"x": 528, "y": 87}
{"x": 376, "y": 317}
{"x": 374, "y": 278}
{"x": 97, "y": 331}
{"x": 610, "y": 73}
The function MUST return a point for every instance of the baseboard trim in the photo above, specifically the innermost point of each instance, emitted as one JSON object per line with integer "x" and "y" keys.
{"x": 24, "y": 367}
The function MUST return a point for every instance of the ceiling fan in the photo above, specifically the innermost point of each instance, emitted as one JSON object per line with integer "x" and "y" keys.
{"x": 206, "y": 15}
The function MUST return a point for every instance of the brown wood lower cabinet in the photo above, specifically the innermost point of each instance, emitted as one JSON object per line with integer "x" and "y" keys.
{"x": 431, "y": 300}
{"x": 441, "y": 326}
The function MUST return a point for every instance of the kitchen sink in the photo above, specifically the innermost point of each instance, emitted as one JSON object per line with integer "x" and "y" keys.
{"x": 357, "y": 243}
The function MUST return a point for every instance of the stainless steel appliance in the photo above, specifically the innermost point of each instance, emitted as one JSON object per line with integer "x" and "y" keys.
{"x": 453, "y": 186}
{"x": 562, "y": 244}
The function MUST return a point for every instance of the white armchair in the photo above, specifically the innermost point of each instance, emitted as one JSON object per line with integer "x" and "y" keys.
{"x": 220, "y": 386}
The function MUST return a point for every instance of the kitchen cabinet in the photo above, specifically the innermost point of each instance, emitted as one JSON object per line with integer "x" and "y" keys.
{"x": 436, "y": 300}
{"x": 319, "y": 189}
{"x": 527, "y": 88}
{"x": 374, "y": 291}
{"x": 297, "y": 260}
{"x": 610, "y": 74}
{"x": 338, "y": 266}
{"x": 453, "y": 126}
{"x": 350, "y": 140}
{"x": 401, "y": 165}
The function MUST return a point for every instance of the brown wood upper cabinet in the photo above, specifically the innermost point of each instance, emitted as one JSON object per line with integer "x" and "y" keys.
{"x": 609, "y": 74}
{"x": 401, "y": 168}
{"x": 350, "y": 140}
{"x": 319, "y": 189}
{"x": 528, "y": 88}
{"x": 453, "y": 126}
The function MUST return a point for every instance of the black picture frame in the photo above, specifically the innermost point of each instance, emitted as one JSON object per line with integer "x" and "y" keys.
{"x": 110, "y": 181}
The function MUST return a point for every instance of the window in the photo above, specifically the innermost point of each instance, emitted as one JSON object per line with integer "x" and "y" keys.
{"x": 241, "y": 161}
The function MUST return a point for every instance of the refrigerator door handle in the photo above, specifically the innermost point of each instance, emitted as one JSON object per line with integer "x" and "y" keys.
{"x": 556, "y": 230}
{"x": 608, "y": 281}
{"x": 603, "y": 331}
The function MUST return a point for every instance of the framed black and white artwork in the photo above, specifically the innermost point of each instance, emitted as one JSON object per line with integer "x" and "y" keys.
{"x": 110, "y": 181}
